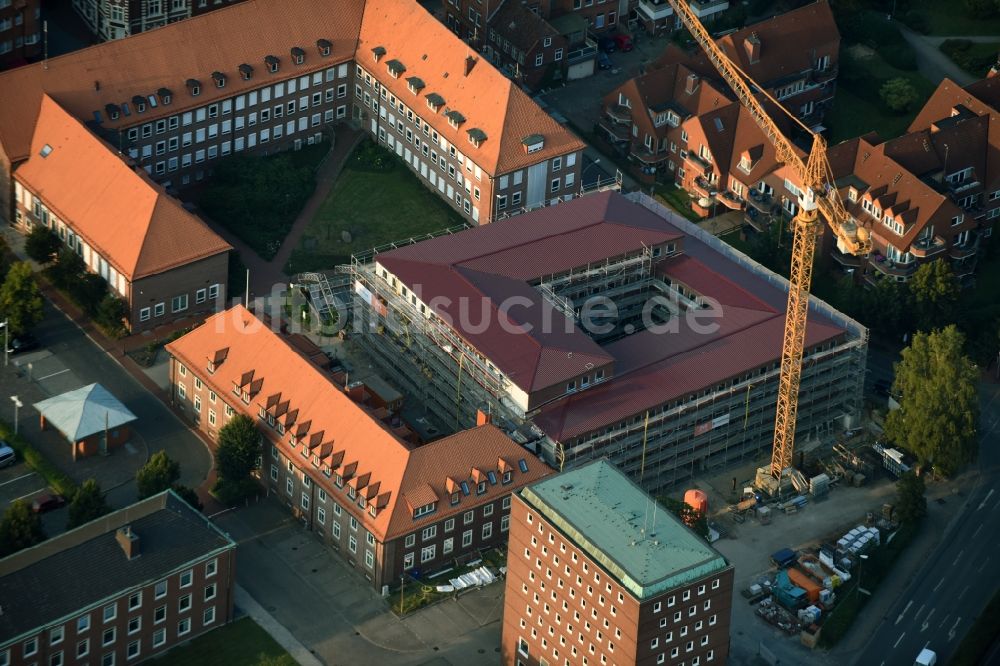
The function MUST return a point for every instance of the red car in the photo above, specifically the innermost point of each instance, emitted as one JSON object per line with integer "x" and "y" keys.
{"x": 623, "y": 42}
{"x": 45, "y": 503}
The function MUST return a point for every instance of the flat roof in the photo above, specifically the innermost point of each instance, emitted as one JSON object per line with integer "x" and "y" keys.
{"x": 644, "y": 546}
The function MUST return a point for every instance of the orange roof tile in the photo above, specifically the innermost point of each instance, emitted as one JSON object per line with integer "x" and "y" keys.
{"x": 117, "y": 210}
{"x": 488, "y": 100}
{"x": 404, "y": 478}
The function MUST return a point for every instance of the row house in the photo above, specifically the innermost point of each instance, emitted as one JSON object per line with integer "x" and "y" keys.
{"x": 657, "y": 16}
{"x": 387, "y": 506}
{"x": 176, "y": 116}
{"x": 468, "y": 18}
{"x": 118, "y": 590}
{"x": 164, "y": 262}
{"x": 114, "y": 19}
{"x": 642, "y": 118}
{"x": 596, "y": 577}
{"x": 524, "y": 46}
{"x": 20, "y": 32}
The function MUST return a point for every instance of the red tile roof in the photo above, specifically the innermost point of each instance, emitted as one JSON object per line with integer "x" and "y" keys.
{"x": 353, "y": 441}
{"x": 115, "y": 208}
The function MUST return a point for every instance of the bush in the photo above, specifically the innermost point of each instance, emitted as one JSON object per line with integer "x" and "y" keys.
{"x": 33, "y": 458}
{"x": 42, "y": 244}
{"x": 898, "y": 94}
{"x": 234, "y": 492}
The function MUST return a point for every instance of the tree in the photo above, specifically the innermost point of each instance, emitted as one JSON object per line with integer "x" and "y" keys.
{"x": 111, "y": 311}
{"x": 68, "y": 267}
{"x": 158, "y": 474}
{"x": 898, "y": 94}
{"x": 264, "y": 659}
{"x": 189, "y": 495}
{"x": 981, "y": 8}
{"x": 88, "y": 504}
{"x": 911, "y": 505}
{"x": 42, "y": 244}
{"x": 20, "y": 300}
{"x": 20, "y": 528}
{"x": 939, "y": 405}
{"x": 886, "y": 306}
{"x": 238, "y": 450}
{"x": 695, "y": 520}
{"x": 935, "y": 294}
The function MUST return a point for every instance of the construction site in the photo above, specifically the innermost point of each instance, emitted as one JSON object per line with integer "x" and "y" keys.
{"x": 663, "y": 405}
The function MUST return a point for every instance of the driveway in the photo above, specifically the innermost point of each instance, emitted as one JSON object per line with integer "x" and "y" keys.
{"x": 334, "y": 612}
{"x": 933, "y": 64}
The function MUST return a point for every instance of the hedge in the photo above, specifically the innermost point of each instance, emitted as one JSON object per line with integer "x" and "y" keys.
{"x": 33, "y": 458}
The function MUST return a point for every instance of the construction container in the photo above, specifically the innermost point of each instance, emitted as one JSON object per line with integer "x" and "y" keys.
{"x": 697, "y": 500}
{"x": 788, "y": 595}
{"x": 764, "y": 515}
{"x": 783, "y": 557}
{"x": 804, "y": 581}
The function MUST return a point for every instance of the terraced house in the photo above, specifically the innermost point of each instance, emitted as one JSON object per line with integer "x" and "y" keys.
{"x": 388, "y": 506}
{"x": 176, "y": 99}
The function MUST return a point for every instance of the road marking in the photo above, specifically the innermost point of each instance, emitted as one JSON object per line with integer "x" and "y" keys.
{"x": 898, "y": 640}
{"x": 977, "y": 530}
{"x": 944, "y": 620}
{"x": 38, "y": 379}
{"x": 951, "y": 632}
{"x": 938, "y": 585}
{"x": 964, "y": 590}
{"x": 33, "y": 492}
{"x": 958, "y": 557}
{"x": 900, "y": 618}
{"x": 919, "y": 611}
{"x": 983, "y": 565}
{"x": 927, "y": 621}
{"x": 23, "y": 476}
{"x": 988, "y": 496}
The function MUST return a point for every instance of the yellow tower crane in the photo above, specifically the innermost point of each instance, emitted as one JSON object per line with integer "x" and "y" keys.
{"x": 819, "y": 197}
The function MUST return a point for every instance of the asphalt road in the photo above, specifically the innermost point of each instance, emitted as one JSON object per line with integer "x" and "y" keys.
{"x": 959, "y": 578}
{"x": 159, "y": 427}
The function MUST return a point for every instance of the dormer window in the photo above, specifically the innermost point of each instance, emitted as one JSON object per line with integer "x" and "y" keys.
{"x": 113, "y": 111}
{"x": 194, "y": 87}
{"x": 220, "y": 79}
{"x": 481, "y": 488}
{"x": 165, "y": 96}
{"x": 378, "y": 52}
{"x": 272, "y": 63}
{"x": 852, "y": 194}
{"x": 415, "y": 84}
{"x": 455, "y": 498}
{"x": 424, "y": 510}
{"x": 324, "y": 47}
{"x": 533, "y": 143}
{"x": 246, "y": 71}
{"x": 395, "y": 68}
{"x": 245, "y": 396}
{"x": 476, "y": 136}
{"x": 298, "y": 55}
{"x": 140, "y": 103}
{"x": 211, "y": 368}
{"x": 435, "y": 102}
{"x": 454, "y": 118}
{"x": 507, "y": 477}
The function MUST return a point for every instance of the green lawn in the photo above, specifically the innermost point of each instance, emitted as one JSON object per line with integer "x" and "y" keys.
{"x": 852, "y": 116}
{"x": 374, "y": 204}
{"x": 951, "y": 18}
{"x": 241, "y": 642}
{"x": 677, "y": 199}
{"x": 733, "y": 238}
{"x": 974, "y": 57}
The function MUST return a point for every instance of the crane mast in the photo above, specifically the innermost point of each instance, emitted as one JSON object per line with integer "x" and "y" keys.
{"x": 818, "y": 197}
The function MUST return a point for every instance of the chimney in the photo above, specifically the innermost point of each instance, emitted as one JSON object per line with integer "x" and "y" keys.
{"x": 355, "y": 391}
{"x": 482, "y": 418}
{"x": 470, "y": 62}
{"x": 691, "y": 83}
{"x": 129, "y": 541}
{"x": 752, "y": 46}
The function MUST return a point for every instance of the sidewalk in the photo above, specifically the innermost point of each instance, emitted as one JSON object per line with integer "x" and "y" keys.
{"x": 934, "y": 64}
{"x": 284, "y": 638}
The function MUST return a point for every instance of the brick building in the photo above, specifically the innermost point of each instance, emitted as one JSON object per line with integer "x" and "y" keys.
{"x": 115, "y": 19}
{"x": 598, "y": 573}
{"x": 20, "y": 32}
{"x": 680, "y": 120}
{"x": 350, "y": 472}
{"x": 117, "y": 590}
{"x": 162, "y": 260}
{"x": 175, "y": 110}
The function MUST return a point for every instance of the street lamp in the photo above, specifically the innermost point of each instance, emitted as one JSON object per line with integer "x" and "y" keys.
{"x": 5, "y": 325}
{"x": 17, "y": 405}
{"x": 583, "y": 174}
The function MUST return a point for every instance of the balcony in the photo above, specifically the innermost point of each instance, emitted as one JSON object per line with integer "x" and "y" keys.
{"x": 655, "y": 11}
{"x": 697, "y": 162}
{"x": 759, "y": 221}
{"x": 965, "y": 186}
{"x": 619, "y": 113}
{"x": 647, "y": 156}
{"x": 762, "y": 202}
{"x": 964, "y": 251}
{"x": 730, "y": 200}
{"x": 890, "y": 268}
{"x": 700, "y": 187}
{"x": 708, "y": 8}
{"x": 846, "y": 260}
{"x": 927, "y": 247}
{"x": 586, "y": 52}
{"x": 614, "y": 132}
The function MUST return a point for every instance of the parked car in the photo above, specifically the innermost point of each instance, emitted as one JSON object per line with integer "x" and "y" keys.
{"x": 606, "y": 44}
{"x": 22, "y": 343}
{"x": 7, "y": 455}
{"x": 623, "y": 42}
{"x": 47, "y": 502}
{"x": 603, "y": 61}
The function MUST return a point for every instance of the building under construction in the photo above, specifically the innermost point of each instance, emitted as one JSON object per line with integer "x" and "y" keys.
{"x": 606, "y": 326}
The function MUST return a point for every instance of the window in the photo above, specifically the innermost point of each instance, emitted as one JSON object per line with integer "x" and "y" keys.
{"x": 186, "y": 578}
{"x": 179, "y": 303}
{"x": 408, "y": 561}
{"x": 428, "y": 533}
{"x": 82, "y": 624}
{"x": 352, "y": 544}
{"x": 466, "y": 538}
{"x": 83, "y": 648}
{"x": 208, "y": 616}
{"x": 109, "y": 637}
{"x": 160, "y": 614}
{"x": 56, "y": 635}
{"x": 487, "y": 530}
{"x": 184, "y": 603}
{"x": 144, "y": 314}
{"x": 427, "y": 553}
{"x": 184, "y": 626}
{"x": 209, "y": 592}
{"x": 110, "y": 612}
{"x": 468, "y": 517}
{"x": 159, "y": 637}
{"x": 30, "y": 647}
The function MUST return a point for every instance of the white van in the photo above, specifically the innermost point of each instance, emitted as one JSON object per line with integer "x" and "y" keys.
{"x": 926, "y": 658}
